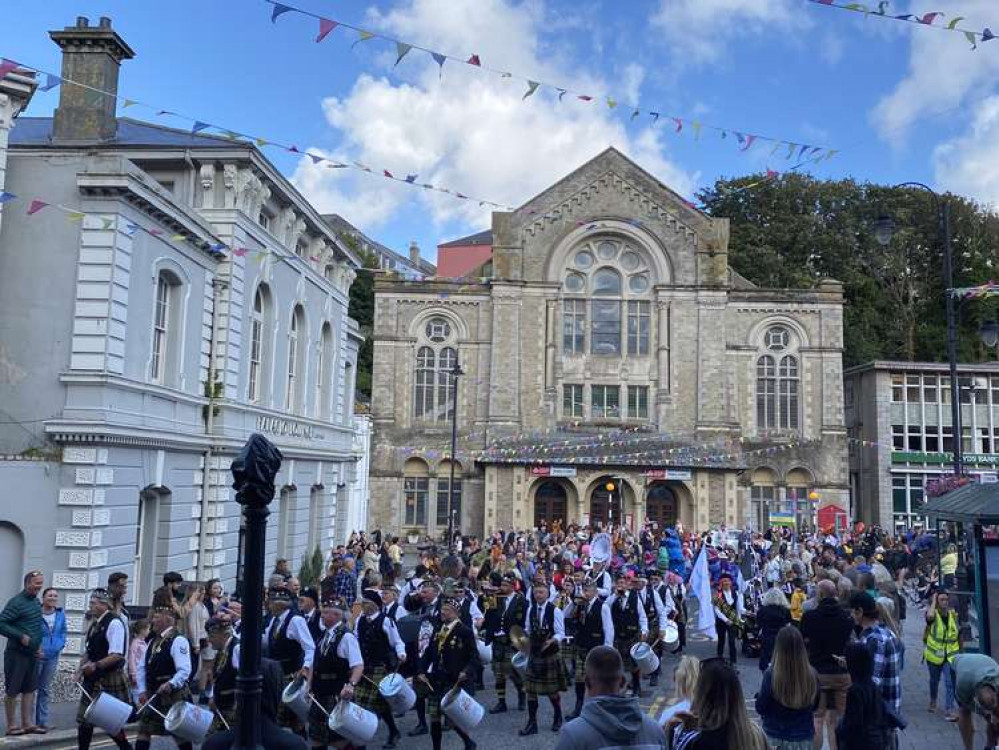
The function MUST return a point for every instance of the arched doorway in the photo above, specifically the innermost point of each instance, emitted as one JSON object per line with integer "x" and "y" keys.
{"x": 661, "y": 505}
{"x": 607, "y": 502}
{"x": 11, "y": 559}
{"x": 550, "y": 503}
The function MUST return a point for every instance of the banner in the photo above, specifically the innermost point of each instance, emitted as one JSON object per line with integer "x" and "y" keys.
{"x": 700, "y": 589}
{"x": 881, "y": 10}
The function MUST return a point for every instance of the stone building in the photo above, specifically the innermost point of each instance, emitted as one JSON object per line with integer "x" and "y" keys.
{"x": 614, "y": 369}
{"x": 177, "y": 295}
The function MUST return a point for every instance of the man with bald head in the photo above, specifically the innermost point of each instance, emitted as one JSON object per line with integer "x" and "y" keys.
{"x": 827, "y": 630}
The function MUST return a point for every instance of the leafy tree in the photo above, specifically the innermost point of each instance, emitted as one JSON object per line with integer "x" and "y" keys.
{"x": 362, "y": 309}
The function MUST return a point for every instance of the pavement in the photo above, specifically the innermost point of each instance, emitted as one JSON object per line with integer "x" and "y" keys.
{"x": 925, "y": 730}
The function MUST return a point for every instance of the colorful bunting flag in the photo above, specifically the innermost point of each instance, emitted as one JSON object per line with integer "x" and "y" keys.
{"x": 474, "y": 60}
{"x": 128, "y": 103}
{"x": 198, "y": 126}
{"x": 326, "y": 25}
{"x": 106, "y": 222}
{"x": 6, "y": 197}
{"x": 278, "y": 11}
{"x": 364, "y": 36}
{"x": 532, "y": 86}
{"x": 439, "y": 59}
{"x": 75, "y": 215}
{"x": 6, "y": 66}
{"x": 36, "y": 206}
{"x": 178, "y": 237}
{"x": 411, "y": 178}
{"x": 51, "y": 81}
{"x": 402, "y": 49}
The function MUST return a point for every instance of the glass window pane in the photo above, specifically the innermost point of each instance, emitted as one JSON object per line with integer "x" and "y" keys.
{"x": 607, "y": 282}
{"x": 605, "y": 334}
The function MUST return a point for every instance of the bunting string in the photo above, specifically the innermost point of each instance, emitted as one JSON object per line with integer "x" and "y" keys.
{"x": 881, "y": 10}
{"x": 989, "y": 289}
{"x": 677, "y": 123}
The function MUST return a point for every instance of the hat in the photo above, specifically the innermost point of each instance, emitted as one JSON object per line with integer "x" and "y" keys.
{"x": 278, "y": 594}
{"x": 334, "y": 602}
{"x": 453, "y": 602}
{"x": 590, "y": 583}
{"x": 372, "y": 596}
{"x": 390, "y": 588}
{"x": 309, "y": 593}
{"x": 101, "y": 595}
{"x": 217, "y": 625}
{"x": 510, "y": 578}
{"x": 163, "y": 611}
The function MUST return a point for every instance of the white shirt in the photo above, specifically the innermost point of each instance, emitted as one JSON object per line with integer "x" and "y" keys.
{"x": 605, "y": 618}
{"x": 116, "y": 636}
{"x": 657, "y": 603}
{"x": 668, "y": 602}
{"x": 734, "y": 598}
{"x": 390, "y": 630}
{"x": 298, "y": 631}
{"x": 604, "y": 584}
{"x": 643, "y": 621}
{"x": 180, "y": 652}
{"x": 348, "y": 649}
{"x": 559, "y": 622}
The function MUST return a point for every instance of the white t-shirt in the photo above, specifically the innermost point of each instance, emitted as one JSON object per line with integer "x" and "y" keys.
{"x": 49, "y": 619}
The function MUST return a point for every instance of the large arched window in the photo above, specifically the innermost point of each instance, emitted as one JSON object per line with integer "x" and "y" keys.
{"x": 260, "y": 326}
{"x": 164, "y": 364}
{"x": 296, "y": 361}
{"x": 777, "y": 383}
{"x": 434, "y": 381}
{"x": 324, "y": 373}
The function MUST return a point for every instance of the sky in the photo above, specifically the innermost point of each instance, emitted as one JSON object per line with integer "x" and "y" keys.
{"x": 898, "y": 101}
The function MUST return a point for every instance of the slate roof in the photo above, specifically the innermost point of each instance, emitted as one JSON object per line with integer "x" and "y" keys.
{"x": 37, "y": 131}
{"x": 479, "y": 238}
{"x": 973, "y": 502}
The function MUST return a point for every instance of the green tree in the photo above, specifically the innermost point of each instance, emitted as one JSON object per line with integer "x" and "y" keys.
{"x": 362, "y": 309}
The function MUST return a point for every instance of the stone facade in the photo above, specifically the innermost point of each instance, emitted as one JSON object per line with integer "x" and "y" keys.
{"x": 611, "y": 316}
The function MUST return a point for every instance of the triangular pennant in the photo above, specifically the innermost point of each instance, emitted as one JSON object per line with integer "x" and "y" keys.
{"x": 35, "y": 206}
{"x": 411, "y": 178}
{"x": 326, "y": 25}
{"x": 771, "y": 173}
{"x": 790, "y": 150}
{"x": 678, "y": 123}
{"x": 750, "y": 139}
{"x": 316, "y": 158}
{"x": 128, "y": 103}
{"x": 987, "y": 35}
{"x": 106, "y": 223}
{"x": 279, "y": 10}
{"x": 506, "y": 75}
{"x": 532, "y": 86}
{"x": 585, "y": 98}
{"x": 51, "y": 81}
{"x": 561, "y": 93}
{"x": 239, "y": 252}
{"x": 831, "y": 153}
{"x": 75, "y": 216}
{"x": 972, "y": 37}
{"x": 611, "y": 103}
{"x": 386, "y": 173}
{"x": 164, "y": 112}
{"x": 294, "y": 149}
{"x": 474, "y": 60}
{"x": 364, "y": 36}
{"x": 954, "y": 22}
{"x": 6, "y": 197}
{"x": 131, "y": 228}
{"x": 655, "y": 116}
{"x": 439, "y": 59}
{"x": 198, "y": 126}
{"x": 155, "y": 232}
{"x": 929, "y": 18}
{"x": 696, "y": 126}
{"x": 178, "y": 237}
{"x": 260, "y": 142}
{"x": 635, "y": 114}
{"x": 402, "y": 49}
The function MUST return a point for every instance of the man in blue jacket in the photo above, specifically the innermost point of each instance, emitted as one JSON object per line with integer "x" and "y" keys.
{"x": 21, "y": 625}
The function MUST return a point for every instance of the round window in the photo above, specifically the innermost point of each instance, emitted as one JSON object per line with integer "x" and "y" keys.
{"x": 777, "y": 338}
{"x": 438, "y": 329}
{"x": 575, "y": 282}
{"x": 630, "y": 260}
{"x": 606, "y": 250}
{"x": 584, "y": 259}
{"x": 639, "y": 284}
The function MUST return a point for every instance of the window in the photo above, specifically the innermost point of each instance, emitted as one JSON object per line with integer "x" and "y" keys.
{"x": 161, "y": 320}
{"x": 898, "y": 437}
{"x": 897, "y": 390}
{"x": 607, "y": 282}
{"x": 605, "y": 401}
{"x": 445, "y": 383}
{"x": 259, "y": 344}
{"x": 788, "y": 390}
{"x": 416, "y": 487}
{"x": 907, "y": 492}
{"x": 574, "y": 326}
{"x": 443, "y": 494}
{"x": 777, "y": 393}
{"x": 424, "y": 402}
{"x": 433, "y": 397}
{"x": 296, "y": 357}
{"x": 605, "y": 336}
{"x": 438, "y": 330}
{"x": 324, "y": 371}
{"x": 638, "y": 402}
{"x": 572, "y": 401}
{"x": 763, "y": 500}
{"x": 766, "y": 392}
{"x": 776, "y": 339}
{"x": 264, "y": 220}
{"x": 915, "y": 438}
{"x": 912, "y": 391}
{"x": 638, "y": 327}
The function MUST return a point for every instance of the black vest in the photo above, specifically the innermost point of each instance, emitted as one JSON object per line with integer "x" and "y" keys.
{"x": 393, "y": 611}
{"x": 624, "y": 613}
{"x": 312, "y": 620}
{"x": 650, "y": 608}
{"x": 542, "y": 625}
{"x": 97, "y": 638}
{"x": 374, "y": 641}
{"x": 284, "y": 649}
{"x": 514, "y": 613}
{"x": 465, "y": 614}
{"x": 159, "y": 663}
{"x": 224, "y": 692}
{"x": 591, "y": 632}
{"x": 330, "y": 671}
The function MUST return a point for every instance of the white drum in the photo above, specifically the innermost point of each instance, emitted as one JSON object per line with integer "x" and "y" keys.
{"x": 108, "y": 713}
{"x": 397, "y": 693}
{"x": 462, "y": 709}
{"x": 645, "y": 658}
{"x": 189, "y": 722}
{"x": 485, "y": 651}
{"x": 296, "y": 698}
{"x": 353, "y": 722}
{"x": 520, "y": 663}
{"x": 671, "y": 635}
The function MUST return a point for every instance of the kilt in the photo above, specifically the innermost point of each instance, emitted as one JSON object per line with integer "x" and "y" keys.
{"x": 366, "y": 695}
{"x": 653, "y": 637}
{"x": 546, "y": 675}
{"x": 431, "y": 696}
{"x": 623, "y": 647}
{"x": 218, "y": 726}
{"x": 150, "y": 722}
{"x": 319, "y": 728}
{"x": 285, "y": 716}
{"x": 113, "y": 683}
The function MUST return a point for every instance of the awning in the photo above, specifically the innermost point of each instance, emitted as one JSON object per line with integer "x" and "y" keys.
{"x": 974, "y": 502}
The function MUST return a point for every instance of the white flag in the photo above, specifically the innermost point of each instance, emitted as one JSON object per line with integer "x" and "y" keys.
{"x": 700, "y": 587}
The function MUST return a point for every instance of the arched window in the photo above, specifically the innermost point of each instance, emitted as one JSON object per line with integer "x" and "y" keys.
{"x": 416, "y": 488}
{"x": 260, "y": 325}
{"x": 777, "y": 383}
{"x": 443, "y": 494}
{"x": 324, "y": 373}
{"x": 434, "y": 381}
{"x": 165, "y": 360}
{"x": 296, "y": 358}
{"x": 763, "y": 497}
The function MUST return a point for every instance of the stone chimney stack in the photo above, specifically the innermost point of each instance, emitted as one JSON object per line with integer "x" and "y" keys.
{"x": 414, "y": 253}
{"x": 91, "y": 55}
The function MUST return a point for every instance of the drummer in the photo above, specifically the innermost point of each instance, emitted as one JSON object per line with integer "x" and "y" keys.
{"x": 336, "y": 668}
{"x": 546, "y": 673}
{"x": 446, "y": 665}
{"x": 308, "y": 607}
{"x": 287, "y": 640}
{"x": 605, "y": 584}
{"x": 630, "y": 624}
{"x": 655, "y": 614}
{"x": 102, "y": 668}
{"x": 511, "y": 609}
{"x": 382, "y": 650}
{"x": 390, "y": 600}
{"x": 162, "y": 677}
{"x": 224, "y": 672}
{"x": 596, "y": 628}
{"x": 471, "y": 617}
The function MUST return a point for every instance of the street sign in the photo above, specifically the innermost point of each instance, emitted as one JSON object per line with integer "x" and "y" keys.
{"x": 553, "y": 471}
{"x": 674, "y": 474}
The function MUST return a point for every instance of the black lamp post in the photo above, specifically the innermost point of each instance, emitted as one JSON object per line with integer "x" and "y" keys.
{"x": 455, "y": 373}
{"x": 253, "y": 473}
{"x": 884, "y": 228}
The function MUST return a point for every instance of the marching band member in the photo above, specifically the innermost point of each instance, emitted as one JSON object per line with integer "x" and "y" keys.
{"x": 425, "y": 603}
{"x": 674, "y": 584}
{"x": 596, "y": 628}
{"x": 162, "y": 677}
{"x": 545, "y": 671}
{"x": 471, "y": 617}
{"x": 224, "y": 672}
{"x": 605, "y": 585}
{"x": 630, "y": 626}
{"x": 563, "y": 600}
{"x": 390, "y": 599}
{"x": 308, "y": 607}
{"x": 655, "y": 613}
{"x": 382, "y": 650}
{"x": 445, "y": 665}
{"x": 511, "y": 608}
{"x": 729, "y": 610}
{"x": 102, "y": 668}
{"x": 287, "y": 640}
{"x": 337, "y": 668}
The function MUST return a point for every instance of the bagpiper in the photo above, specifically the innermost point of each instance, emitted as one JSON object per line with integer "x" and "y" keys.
{"x": 337, "y": 668}
{"x": 162, "y": 677}
{"x": 287, "y": 640}
{"x": 224, "y": 672}
{"x": 630, "y": 626}
{"x": 563, "y": 600}
{"x": 546, "y": 674}
{"x": 511, "y": 608}
{"x": 382, "y": 651}
{"x": 445, "y": 665}
{"x": 102, "y": 667}
{"x": 595, "y": 628}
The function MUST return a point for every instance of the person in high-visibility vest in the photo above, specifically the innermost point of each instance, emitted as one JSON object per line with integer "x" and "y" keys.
{"x": 943, "y": 643}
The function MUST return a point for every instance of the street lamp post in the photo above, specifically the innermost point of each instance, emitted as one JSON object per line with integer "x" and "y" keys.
{"x": 883, "y": 230}
{"x": 455, "y": 373}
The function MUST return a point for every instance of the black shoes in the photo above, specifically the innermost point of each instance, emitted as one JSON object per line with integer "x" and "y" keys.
{"x": 531, "y": 728}
{"x": 420, "y": 728}
{"x": 521, "y": 701}
{"x": 392, "y": 741}
{"x": 499, "y": 708}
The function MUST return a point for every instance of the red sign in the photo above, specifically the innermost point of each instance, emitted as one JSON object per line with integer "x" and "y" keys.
{"x": 832, "y": 517}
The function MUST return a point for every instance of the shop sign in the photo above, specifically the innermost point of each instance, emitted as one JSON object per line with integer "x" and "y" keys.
{"x": 970, "y": 459}
{"x": 675, "y": 474}
{"x": 287, "y": 428}
{"x": 553, "y": 471}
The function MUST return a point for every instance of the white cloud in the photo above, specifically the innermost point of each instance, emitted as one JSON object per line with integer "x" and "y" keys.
{"x": 966, "y": 164}
{"x": 699, "y": 31}
{"x": 470, "y": 131}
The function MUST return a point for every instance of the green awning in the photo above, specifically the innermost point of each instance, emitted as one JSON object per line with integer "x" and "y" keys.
{"x": 973, "y": 502}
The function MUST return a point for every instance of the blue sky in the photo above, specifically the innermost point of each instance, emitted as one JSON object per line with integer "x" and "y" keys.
{"x": 786, "y": 68}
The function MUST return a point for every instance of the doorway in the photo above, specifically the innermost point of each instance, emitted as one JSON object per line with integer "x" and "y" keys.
{"x": 661, "y": 506}
{"x": 550, "y": 504}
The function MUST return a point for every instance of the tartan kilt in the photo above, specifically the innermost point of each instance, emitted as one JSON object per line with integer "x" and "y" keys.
{"x": 423, "y": 690}
{"x": 653, "y": 637}
{"x": 366, "y": 695}
{"x": 150, "y": 722}
{"x": 623, "y": 647}
{"x": 285, "y": 716}
{"x": 503, "y": 651}
{"x": 113, "y": 683}
{"x": 546, "y": 675}
{"x": 319, "y": 728}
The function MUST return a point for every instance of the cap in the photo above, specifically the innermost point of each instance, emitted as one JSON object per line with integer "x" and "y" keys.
{"x": 101, "y": 595}
{"x": 372, "y": 596}
{"x": 510, "y": 578}
{"x": 217, "y": 625}
{"x": 453, "y": 602}
{"x": 310, "y": 593}
{"x": 334, "y": 602}
{"x": 277, "y": 594}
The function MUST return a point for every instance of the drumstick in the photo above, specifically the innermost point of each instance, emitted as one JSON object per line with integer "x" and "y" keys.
{"x": 149, "y": 704}
{"x": 318, "y": 704}
{"x": 226, "y": 723}
{"x": 369, "y": 680}
{"x": 84, "y": 691}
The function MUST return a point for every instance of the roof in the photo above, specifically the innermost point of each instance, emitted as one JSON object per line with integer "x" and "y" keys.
{"x": 37, "y": 131}
{"x": 484, "y": 237}
{"x": 340, "y": 224}
{"x": 973, "y": 502}
{"x": 902, "y": 366}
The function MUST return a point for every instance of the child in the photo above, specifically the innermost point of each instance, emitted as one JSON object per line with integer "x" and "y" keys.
{"x": 136, "y": 653}
{"x": 797, "y": 601}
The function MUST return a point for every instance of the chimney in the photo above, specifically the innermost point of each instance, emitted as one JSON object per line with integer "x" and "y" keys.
{"x": 91, "y": 55}
{"x": 414, "y": 253}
